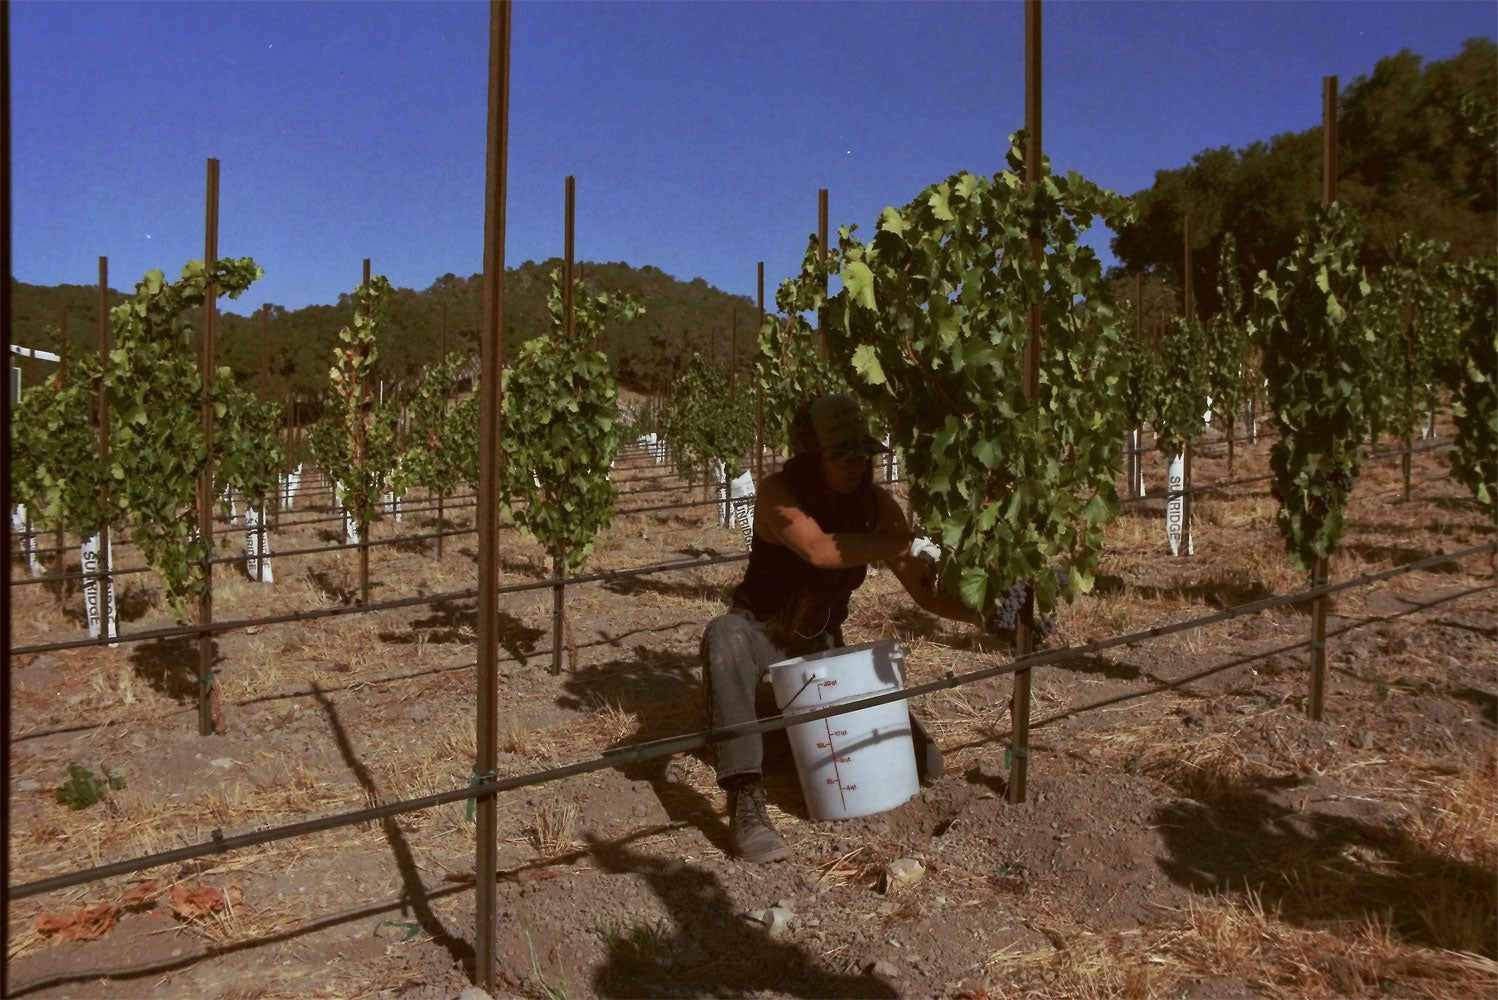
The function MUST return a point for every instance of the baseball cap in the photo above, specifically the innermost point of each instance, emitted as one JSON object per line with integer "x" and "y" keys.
{"x": 835, "y": 426}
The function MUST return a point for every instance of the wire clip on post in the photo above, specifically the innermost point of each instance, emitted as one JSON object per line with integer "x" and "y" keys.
{"x": 479, "y": 777}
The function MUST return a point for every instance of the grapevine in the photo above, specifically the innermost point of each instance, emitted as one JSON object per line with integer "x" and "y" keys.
{"x": 1411, "y": 325}
{"x": 788, "y": 366}
{"x": 254, "y": 453}
{"x": 703, "y": 423}
{"x": 437, "y": 434}
{"x": 1181, "y": 393}
{"x": 356, "y": 445}
{"x": 932, "y": 317}
{"x": 157, "y": 447}
{"x": 1228, "y": 346}
{"x": 562, "y": 427}
{"x": 1471, "y": 372}
{"x": 1316, "y": 361}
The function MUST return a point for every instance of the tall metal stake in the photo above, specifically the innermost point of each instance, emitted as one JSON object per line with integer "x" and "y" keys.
{"x": 491, "y": 364}
{"x": 1188, "y": 299}
{"x": 274, "y": 498}
{"x": 759, "y": 392}
{"x": 5, "y": 494}
{"x": 206, "y": 693}
{"x": 558, "y": 557}
{"x": 822, "y": 259}
{"x": 1024, "y": 633}
{"x": 1322, "y": 573}
{"x": 1136, "y": 472}
{"x": 105, "y": 610}
{"x": 361, "y": 518}
{"x": 441, "y": 493}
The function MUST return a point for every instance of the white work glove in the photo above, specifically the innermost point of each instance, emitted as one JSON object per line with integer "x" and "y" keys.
{"x": 928, "y": 553}
{"x": 925, "y": 550}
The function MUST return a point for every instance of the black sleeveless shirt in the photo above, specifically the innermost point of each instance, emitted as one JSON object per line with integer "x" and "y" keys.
{"x": 795, "y": 600}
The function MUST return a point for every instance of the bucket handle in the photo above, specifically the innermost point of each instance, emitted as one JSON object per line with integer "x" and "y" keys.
{"x": 806, "y": 679}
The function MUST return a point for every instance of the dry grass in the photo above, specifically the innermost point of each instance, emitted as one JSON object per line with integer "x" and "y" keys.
{"x": 553, "y": 830}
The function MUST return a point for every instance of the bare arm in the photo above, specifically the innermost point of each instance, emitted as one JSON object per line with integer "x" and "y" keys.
{"x": 779, "y": 518}
{"x": 915, "y": 575}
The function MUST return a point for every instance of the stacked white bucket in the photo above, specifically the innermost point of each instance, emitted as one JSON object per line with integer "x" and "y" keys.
{"x": 861, "y": 762}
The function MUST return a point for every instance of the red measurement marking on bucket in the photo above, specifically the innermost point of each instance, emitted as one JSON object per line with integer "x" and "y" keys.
{"x": 831, "y": 747}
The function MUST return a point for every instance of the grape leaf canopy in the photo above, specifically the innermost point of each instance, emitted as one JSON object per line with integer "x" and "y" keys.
{"x": 932, "y": 318}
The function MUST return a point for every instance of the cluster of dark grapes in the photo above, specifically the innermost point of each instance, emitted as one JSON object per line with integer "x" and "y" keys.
{"x": 1342, "y": 481}
{"x": 1006, "y": 612}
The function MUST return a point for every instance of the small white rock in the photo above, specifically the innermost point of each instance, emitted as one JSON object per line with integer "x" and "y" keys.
{"x": 905, "y": 871}
{"x": 777, "y": 921}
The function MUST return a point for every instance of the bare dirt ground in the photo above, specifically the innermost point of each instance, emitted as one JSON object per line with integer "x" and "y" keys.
{"x": 1187, "y": 831}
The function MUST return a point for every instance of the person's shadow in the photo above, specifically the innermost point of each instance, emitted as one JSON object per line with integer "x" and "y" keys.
{"x": 710, "y": 949}
{"x": 663, "y": 690}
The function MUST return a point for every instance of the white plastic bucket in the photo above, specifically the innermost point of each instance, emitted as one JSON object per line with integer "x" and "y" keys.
{"x": 858, "y": 763}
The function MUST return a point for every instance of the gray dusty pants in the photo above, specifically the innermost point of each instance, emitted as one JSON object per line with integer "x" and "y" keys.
{"x": 736, "y": 655}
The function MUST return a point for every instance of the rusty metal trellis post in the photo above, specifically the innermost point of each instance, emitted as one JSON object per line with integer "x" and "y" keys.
{"x": 206, "y": 694}
{"x": 491, "y": 363}
{"x": 1188, "y": 300}
{"x": 822, "y": 259}
{"x": 102, "y": 582}
{"x": 275, "y": 503}
{"x": 441, "y": 493}
{"x": 1322, "y": 574}
{"x": 759, "y": 390}
{"x": 358, "y": 449}
{"x": 569, "y": 327}
{"x": 1024, "y": 633}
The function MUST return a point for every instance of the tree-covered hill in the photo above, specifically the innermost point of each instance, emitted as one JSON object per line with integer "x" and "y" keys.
{"x": 681, "y": 318}
{"x": 1412, "y": 157}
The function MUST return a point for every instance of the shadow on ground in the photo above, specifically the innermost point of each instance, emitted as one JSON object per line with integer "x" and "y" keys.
{"x": 1310, "y": 856}
{"x": 170, "y": 666}
{"x": 456, "y": 622}
{"x": 663, "y": 690}
{"x": 709, "y": 949}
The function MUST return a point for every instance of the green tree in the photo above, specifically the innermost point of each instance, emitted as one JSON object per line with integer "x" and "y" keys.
{"x": 1410, "y": 161}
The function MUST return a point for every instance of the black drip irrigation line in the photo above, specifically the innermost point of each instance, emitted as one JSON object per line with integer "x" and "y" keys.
{"x": 635, "y": 753}
{"x": 181, "y": 631}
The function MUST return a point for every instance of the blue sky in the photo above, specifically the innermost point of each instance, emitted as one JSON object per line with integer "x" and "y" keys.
{"x": 699, "y": 133}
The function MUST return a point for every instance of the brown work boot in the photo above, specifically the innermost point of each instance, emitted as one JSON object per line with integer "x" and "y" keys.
{"x": 754, "y": 836}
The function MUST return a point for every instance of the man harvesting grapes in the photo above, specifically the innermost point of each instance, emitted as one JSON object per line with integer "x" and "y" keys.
{"x": 818, "y": 523}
